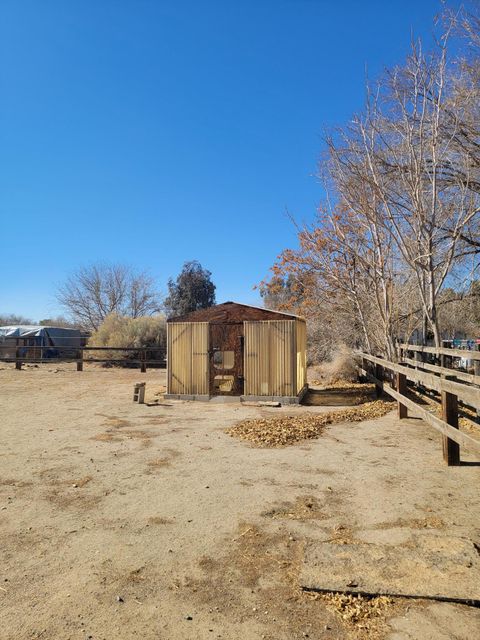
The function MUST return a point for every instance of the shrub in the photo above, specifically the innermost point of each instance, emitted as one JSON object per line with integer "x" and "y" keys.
{"x": 121, "y": 331}
{"x": 341, "y": 368}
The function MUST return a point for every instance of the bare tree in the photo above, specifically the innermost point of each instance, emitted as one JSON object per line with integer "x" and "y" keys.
{"x": 398, "y": 152}
{"x": 92, "y": 293}
{"x": 7, "y": 319}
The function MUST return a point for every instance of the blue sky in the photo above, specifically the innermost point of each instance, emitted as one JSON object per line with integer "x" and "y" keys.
{"x": 155, "y": 132}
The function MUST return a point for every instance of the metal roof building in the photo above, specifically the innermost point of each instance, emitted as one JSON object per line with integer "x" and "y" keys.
{"x": 234, "y": 349}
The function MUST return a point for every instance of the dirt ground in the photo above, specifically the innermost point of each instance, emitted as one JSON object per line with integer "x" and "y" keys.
{"x": 121, "y": 521}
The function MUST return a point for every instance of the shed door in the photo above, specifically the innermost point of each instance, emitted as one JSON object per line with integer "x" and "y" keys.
{"x": 226, "y": 359}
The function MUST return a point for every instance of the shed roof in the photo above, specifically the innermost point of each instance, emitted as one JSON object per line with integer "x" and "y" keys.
{"x": 229, "y": 312}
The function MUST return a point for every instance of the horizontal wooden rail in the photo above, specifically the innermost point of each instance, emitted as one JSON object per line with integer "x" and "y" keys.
{"x": 34, "y": 354}
{"x": 461, "y": 375}
{"x": 469, "y": 354}
{"x": 471, "y": 395}
{"x": 69, "y": 360}
{"x": 70, "y": 348}
{"x": 438, "y": 424}
{"x": 449, "y": 389}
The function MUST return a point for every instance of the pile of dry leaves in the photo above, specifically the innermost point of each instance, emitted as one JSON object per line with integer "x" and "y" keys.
{"x": 359, "y": 611}
{"x": 285, "y": 430}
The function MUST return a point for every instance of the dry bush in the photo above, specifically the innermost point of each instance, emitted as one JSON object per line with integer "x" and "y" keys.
{"x": 341, "y": 368}
{"x": 122, "y": 331}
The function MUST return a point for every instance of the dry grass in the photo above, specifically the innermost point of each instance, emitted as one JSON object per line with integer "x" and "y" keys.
{"x": 342, "y": 368}
{"x": 106, "y": 437}
{"x": 266, "y": 565}
{"x": 160, "y": 520}
{"x": 304, "y": 508}
{"x": 288, "y": 430}
{"x": 429, "y": 522}
{"x": 111, "y": 435}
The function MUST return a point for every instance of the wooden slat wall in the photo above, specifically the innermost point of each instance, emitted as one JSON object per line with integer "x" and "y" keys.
{"x": 270, "y": 362}
{"x": 301, "y": 348}
{"x": 187, "y": 358}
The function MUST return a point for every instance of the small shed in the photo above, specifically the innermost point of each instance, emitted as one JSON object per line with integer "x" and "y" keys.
{"x": 235, "y": 349}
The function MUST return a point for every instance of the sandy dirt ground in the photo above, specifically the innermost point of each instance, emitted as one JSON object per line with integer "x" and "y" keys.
{"x": 122, "y": 521}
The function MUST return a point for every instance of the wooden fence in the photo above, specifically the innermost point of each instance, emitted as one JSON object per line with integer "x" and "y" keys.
{"x": 34, "y": 354}
{"x": 452, "y": 385}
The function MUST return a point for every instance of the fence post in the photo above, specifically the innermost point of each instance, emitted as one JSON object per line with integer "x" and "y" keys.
{"x": 401, "y": 384}
{"x": 143, "y": 366}
{"x": 476, "y": 371}
{"x": 379, "y": 376}
{"x": 80, "y": 361}
{"x": 451, "y": 449}
{"x": 18, "y": 364}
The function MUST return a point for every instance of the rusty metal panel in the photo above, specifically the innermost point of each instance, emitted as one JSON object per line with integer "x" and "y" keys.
{"x": 301, "y": 354}
{"x": 270, "y": 361}
{"x": 226, "y": 359}
{"x": 232, "y": 312}
{"x": 187, "y": 358}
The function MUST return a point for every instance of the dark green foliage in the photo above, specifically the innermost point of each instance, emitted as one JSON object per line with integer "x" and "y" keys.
{"x": 192, "y": 290}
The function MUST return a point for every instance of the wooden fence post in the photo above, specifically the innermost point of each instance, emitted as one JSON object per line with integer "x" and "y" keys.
{"x": 451, "y": 449}
{"x": 401, "y": 384}
{"x": 379, "y": 376}
{"x": 143, "y": 366}
{"x": 476, "y": 372}
{"x": 80, "y": 361}
{"x": 18, "y": 364}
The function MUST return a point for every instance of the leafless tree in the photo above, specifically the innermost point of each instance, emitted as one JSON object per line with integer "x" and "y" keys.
{"x": 93, "y": 292}
{"x": 404, "y": 180}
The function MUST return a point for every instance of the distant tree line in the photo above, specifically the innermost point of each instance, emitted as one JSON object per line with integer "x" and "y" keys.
{"x": 121, "y": 307}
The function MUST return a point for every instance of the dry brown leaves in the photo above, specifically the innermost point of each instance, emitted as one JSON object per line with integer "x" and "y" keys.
{"x": 361, "y": 612}
{"x": 282, "y": 431}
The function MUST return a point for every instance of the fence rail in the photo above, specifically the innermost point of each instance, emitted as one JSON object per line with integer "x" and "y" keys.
{"x": 375, "y": 369}
{"x": 33, "y": 354}
{"x": 470, "y": 354}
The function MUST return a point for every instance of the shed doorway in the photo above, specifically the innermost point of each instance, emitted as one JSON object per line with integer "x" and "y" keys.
{"x": 226, "y": 359}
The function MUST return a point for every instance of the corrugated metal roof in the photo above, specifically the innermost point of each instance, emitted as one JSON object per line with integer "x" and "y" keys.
{"x": 233, "y": 312}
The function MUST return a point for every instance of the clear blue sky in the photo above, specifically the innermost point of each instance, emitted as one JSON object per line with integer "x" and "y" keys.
{"x": 154, "y": 132}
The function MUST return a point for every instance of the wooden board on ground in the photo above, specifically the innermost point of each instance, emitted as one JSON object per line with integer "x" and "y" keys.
{"x": 438, "y": 567}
